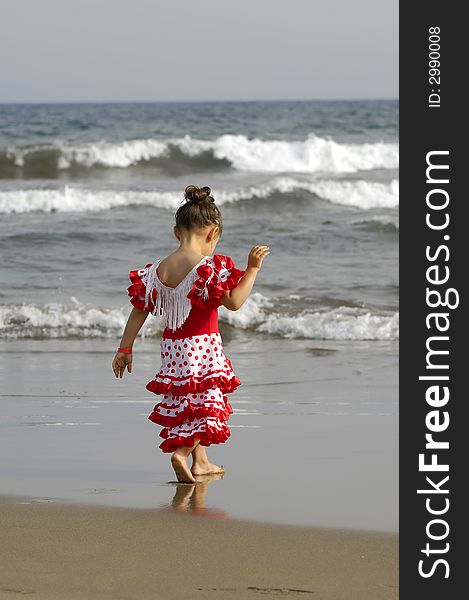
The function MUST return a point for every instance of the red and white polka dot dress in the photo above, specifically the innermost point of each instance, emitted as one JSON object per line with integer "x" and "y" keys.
{"x": 195, "y": 375}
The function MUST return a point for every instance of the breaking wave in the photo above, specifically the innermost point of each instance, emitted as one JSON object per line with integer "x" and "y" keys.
{"x": 358, "y": 193}
{"x": 311, "y": 155}
{"x": 258, "y": 314}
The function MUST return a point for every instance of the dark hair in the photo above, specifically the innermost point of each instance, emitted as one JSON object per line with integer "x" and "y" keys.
{"x": 199, "y": 209}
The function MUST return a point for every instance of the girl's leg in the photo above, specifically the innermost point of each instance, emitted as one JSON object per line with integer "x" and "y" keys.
{"x": 179, "y": 463}
{"x": 200, "y": 463}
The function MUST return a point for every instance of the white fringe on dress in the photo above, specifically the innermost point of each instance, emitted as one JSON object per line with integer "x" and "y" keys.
{"x": 170, "y": 302}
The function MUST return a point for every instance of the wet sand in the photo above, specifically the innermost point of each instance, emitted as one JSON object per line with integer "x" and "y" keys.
{"x": 54, "y": 551}
{"x": 312, "y": 443}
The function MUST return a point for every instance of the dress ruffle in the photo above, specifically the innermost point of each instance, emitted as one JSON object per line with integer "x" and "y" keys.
{"x": 211, "y": 431}
{"x": 214, "y": 277}
{"x": 224, "y": 383}
{"x": 174, "y": 410}
{"x": 137, "y": 290}
{"x": 203, "y": 415}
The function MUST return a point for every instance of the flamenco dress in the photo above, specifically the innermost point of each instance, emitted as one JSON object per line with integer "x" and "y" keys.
{"x": 195, "y": 376}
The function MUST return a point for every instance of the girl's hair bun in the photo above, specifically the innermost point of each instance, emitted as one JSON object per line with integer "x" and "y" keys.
{"x": 198, "y": 210}
{"x": 196, "y": 194}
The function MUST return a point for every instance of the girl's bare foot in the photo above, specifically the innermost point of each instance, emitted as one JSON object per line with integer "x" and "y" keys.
{"x": 205, "y": 468}
{"x": 179, "y": 464}
{"x": 200, "y": 463}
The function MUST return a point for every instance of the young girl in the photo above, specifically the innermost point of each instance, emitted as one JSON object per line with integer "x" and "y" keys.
{"x": 187, "y": 287}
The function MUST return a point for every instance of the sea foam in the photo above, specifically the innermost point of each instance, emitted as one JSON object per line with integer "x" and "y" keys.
{"x": 315, "y": 154}
{"x": 362, "y": 194}
{"x": 258, "y": 314}
{"x": 341, "y": 323}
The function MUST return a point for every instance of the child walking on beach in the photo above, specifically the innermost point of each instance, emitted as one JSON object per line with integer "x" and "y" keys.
{"x": 195, "y": 375}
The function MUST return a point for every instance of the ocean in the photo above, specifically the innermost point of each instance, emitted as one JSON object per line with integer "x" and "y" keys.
{"x": 89, "y": 191}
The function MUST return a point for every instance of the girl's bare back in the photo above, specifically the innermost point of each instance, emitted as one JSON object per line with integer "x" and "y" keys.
{"x": 173, "y": 269}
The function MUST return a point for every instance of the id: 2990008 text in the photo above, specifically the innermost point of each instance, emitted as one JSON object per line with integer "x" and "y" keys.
{"x": 434, "y": 72}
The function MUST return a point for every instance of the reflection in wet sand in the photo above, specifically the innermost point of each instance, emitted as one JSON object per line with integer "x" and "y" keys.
{"x": 191, "y": 497}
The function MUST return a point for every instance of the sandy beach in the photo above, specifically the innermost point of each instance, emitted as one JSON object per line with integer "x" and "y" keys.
{"x": 79, "y": 552}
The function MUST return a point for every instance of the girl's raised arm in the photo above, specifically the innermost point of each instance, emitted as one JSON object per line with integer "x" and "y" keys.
{"x": 235, "y": 298}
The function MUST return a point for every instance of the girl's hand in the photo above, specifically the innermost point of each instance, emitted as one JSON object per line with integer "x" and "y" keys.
{"x": 257, "y": 255}
{"x": 121, "y": 360}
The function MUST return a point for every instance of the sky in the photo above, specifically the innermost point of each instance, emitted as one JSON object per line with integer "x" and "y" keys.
{"x": 197, "y": 50}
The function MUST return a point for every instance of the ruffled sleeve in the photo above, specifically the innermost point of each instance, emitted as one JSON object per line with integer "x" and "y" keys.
{"x": 217, "y": 275}
{"x": 228, "y": 275}
{"x": 137, "y": 290}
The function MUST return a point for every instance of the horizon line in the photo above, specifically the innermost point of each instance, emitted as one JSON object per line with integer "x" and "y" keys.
{"x": 357, "y": 99}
